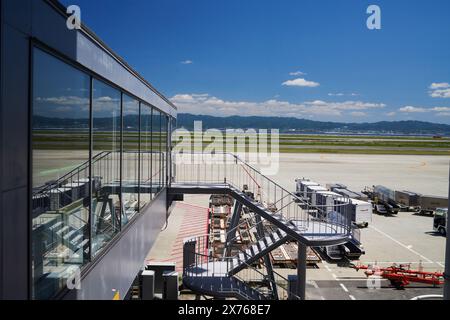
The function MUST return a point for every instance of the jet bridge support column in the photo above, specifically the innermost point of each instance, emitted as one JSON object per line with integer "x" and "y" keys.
{"x": 301, "y": 271}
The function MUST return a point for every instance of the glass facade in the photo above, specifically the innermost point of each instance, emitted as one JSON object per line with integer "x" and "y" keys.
{"x": 106, "y": 138}
{"x": 130, "y": 159}
{"x": 98, "y": 158}
{"x": 146, "y": 182}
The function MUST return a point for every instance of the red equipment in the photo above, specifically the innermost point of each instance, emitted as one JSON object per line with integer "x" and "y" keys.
{"x": 401, "y": 276}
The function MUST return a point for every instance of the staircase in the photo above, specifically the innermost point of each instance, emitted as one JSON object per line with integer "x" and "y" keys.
{"x": 73, "y": 238}
{"x": 257, "y": 251}
{"x": 224, "y": 287}
{"x": 295, "y": 219}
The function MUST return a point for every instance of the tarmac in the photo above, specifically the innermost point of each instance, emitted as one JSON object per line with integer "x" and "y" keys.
{"x": 406, "y": 238}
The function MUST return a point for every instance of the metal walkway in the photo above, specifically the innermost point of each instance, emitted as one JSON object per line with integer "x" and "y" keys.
{"x": 295, "y": 219}
{"x": 310, "y": 231}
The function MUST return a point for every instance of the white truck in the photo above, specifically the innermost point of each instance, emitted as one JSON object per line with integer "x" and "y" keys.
{"x": 361, "y": 212}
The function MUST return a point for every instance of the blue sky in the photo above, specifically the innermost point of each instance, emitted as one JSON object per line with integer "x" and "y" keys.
{"x": 233, "y": 57}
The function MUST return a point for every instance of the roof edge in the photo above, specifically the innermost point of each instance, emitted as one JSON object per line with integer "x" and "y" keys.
{"x": 88, "y": 32}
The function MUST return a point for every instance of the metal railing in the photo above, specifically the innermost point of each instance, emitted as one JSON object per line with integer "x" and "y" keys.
{"x": 226, "y": 169}
{"x": 200, "y": 263}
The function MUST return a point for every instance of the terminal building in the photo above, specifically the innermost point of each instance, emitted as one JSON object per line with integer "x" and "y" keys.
{"x": 88, "y": 178}
{"x": 84, "y": 159}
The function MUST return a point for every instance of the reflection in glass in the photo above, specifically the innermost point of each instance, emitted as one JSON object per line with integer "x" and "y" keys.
{"x": 106, "y": 200}
{"x": 60, "y": 197}
{"x": 66, "y": 200}
{"x": 164, "y": 128}
{"x": 130, "y": 159}
{"x": 146, "y": 192}
{"x": 157, "y": 157}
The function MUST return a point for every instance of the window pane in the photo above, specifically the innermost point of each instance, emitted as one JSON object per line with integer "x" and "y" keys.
{"x": 106, "y": 201}
{"x": 157, "y": 158}
{"x": 164, "y": 127}
{"x": 146, "y": 156}
{"x": 60, "y": 204}
{"x": 130, "y": 160}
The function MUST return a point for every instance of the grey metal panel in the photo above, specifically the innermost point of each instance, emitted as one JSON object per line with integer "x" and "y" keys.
{"x": 98, "y": 60}
{"x": 1, "y": 137}
{"x": 14, "y": 279}
{"x": 14, "y": 235}
{"x": 17, "y": 13}
{"x": 14, "y": 125}
{"x": 121, "y": 264}
{"x": 50, "y": 27}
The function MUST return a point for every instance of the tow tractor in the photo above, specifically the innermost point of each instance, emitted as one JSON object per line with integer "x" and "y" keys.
{"x": 401, "y": 276}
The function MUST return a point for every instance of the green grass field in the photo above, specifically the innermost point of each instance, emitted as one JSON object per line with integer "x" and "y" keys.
{"x": 59, "y": 140}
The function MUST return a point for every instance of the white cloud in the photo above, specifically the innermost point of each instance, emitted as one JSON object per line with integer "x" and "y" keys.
{"x": 441, "y": 85}
{"x": 358, "y": 114}
{"x": 441, "y": 109}
{"x": 410, "y": 109}
{"x": 391, "y": 114}
{"x": 441, "y": 93}
{"x": 440, "y": 90}
{"x": 187, "y": 62}
{"x": 443, "y": 114}
{"x": 300, "y": 82}
{"x": 340, "y": 94}
{"x": 209, "y": 105}
{"x": 65, "y": 100}
{"x": 297, "y": 73}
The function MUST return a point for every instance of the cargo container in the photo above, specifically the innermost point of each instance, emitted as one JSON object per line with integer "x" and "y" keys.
{"x": 302, "y": 184}
{"x": 310, "y": 193}
{"x": 407, "y": 198}
{"x": 351, "y": 194}
{"x": 384, "y": 194}
{"x": 429, "y": 204}
{"x": 332, "y": 186}
{"x": 326, "y": 200}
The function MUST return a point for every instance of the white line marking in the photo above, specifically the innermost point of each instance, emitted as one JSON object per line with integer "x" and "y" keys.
{"x": 440, "y": 264}
{"x": 328, "y": 268}
{"x": 314, "y": 284}
{"x": 344, "y": 287}
{"x": 352, "y": 297}
{"x": 397, "y": 262}
{"x": 356, "y": 279}
{"x": 334, "y": 276}
{"x": 322, "y": 298}
{"x": 399, "y": 243}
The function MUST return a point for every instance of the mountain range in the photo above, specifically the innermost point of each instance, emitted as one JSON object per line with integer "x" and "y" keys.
{"x": 294, "y": 125}
{"x": 285, "y": 125}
